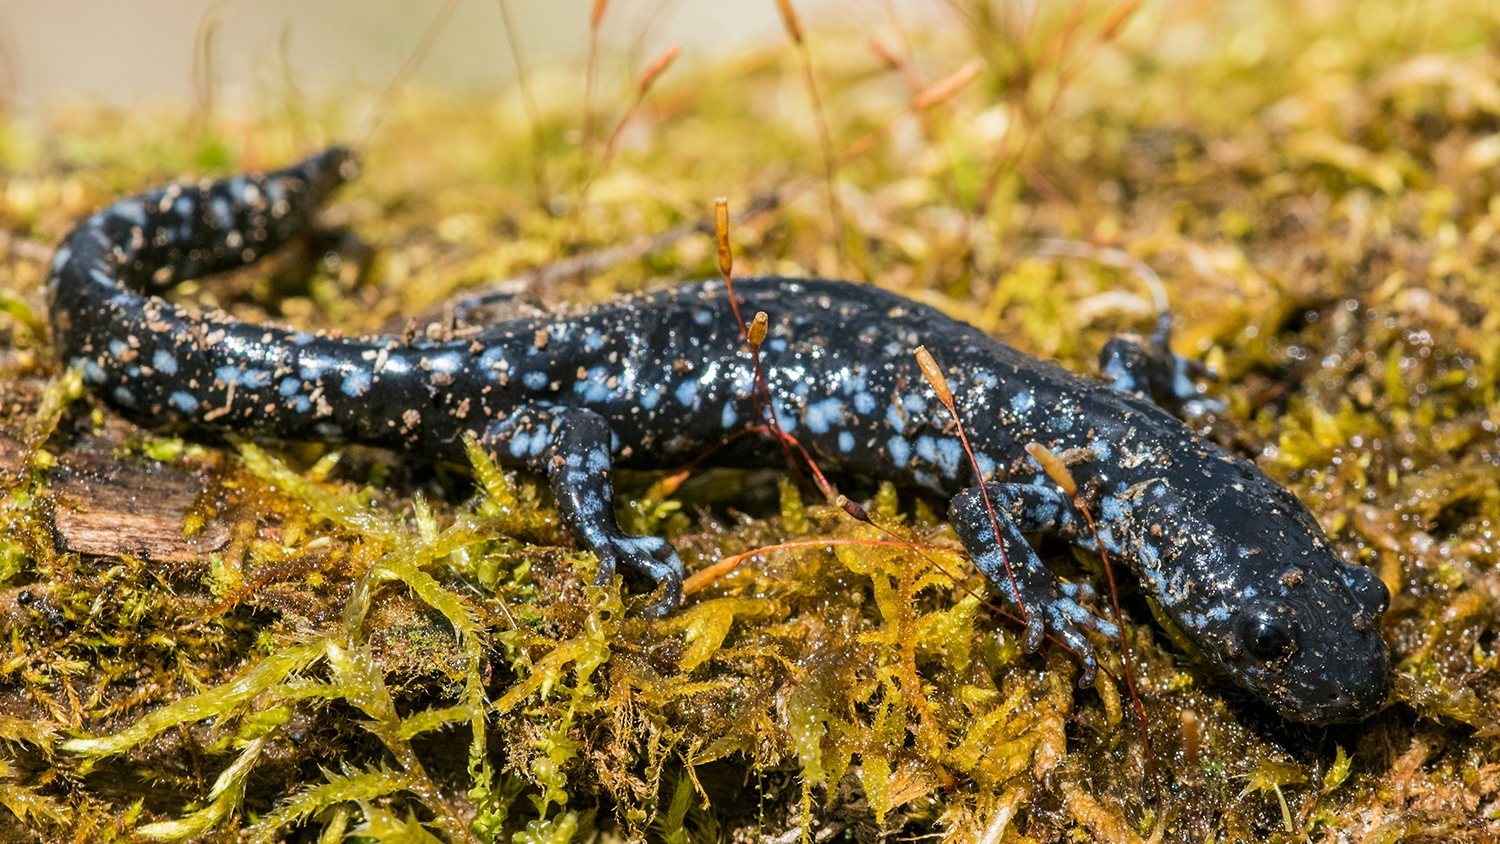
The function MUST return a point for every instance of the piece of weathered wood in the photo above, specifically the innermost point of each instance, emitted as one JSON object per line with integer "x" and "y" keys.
{"x": 113, "y": 507}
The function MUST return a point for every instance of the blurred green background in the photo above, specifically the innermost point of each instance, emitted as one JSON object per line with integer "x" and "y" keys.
{"x": 126, "y": 52}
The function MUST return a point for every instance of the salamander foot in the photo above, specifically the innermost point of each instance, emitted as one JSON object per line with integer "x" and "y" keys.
{"x": 1014, "y": 569}
{"x": 572, "y": 446}
{"x": 1147, "y": 367}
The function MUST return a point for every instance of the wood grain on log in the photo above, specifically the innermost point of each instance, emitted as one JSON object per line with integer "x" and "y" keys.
{"x": 112, "y": 507}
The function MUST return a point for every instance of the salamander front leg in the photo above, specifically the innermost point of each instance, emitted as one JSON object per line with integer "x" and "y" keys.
{"x": 1048, "y": 605}
{"x": 573, "y": 447}
{"x": 1147, "y": 367}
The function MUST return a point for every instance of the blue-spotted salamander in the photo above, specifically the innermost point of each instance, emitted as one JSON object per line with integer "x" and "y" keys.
{"x": 663, "y": 378}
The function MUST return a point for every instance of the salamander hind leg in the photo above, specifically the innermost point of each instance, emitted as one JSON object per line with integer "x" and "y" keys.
{"x": 1013, "y": 567}
{"x": 572, "y": 446}
{"x": 1147, "y": 367}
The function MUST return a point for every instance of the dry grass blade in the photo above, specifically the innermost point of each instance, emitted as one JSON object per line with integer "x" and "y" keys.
{"x": 793, "y": 27}
{"x": 721, "y": 238}
{"x": 928, "y": 98}
{"x": 657, "y": 67}
{"x": 790, "y": 21}
{"x": 1118, "y": 17}
{"x": 944, "y": 89}
{"x": 407, "y": 71}
{"x": 647, "y": 78}
{"x": 205, "y": 71}
{"x": 528, "y": 100}
{"x": 591, "y": 70}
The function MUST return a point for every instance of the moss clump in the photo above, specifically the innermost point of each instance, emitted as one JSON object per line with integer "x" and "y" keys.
{"x": 381, "y": 650}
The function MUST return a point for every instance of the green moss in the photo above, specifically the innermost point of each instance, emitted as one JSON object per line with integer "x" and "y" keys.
{"x": 389, "y": 652}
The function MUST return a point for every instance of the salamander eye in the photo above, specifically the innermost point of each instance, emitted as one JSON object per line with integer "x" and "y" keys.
{"x": 1267, "y": 637}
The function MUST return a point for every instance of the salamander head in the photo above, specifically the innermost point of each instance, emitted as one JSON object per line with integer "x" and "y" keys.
{"x": 1260, "y": 593}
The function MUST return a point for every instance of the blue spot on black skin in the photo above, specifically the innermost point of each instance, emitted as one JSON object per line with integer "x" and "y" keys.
{"x": 520, "y": 444}
{"x": 313, "y": 368}
{"x": 950, "y": 453}
{"x": 900, "y": 451}
{"x": 132, "y": 211}
{"x": 594, "y": 388}
{"x": 535, "y": 380}
{"x": 493, "y": 362}
{"x": 823, "y": 415}
{"x": 986, "y": 465}
{"x": 222, "y": 217}
{"x": 927, "y": 449}
{"x": 93, "y": 373}
{"x": 894, "y": 418}
{"x": 651, "y": 395}
{"x": 356, "y": 382}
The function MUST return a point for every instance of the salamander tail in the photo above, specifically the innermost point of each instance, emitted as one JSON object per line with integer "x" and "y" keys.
{"x": 151, "y": 241}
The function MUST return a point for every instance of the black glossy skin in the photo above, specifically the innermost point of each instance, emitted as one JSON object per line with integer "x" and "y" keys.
{"x": 664, "y": 378}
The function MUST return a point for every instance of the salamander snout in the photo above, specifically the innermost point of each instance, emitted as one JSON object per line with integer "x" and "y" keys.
{"x": 1309, "y": 653}
{"x": 1267, "y": 600}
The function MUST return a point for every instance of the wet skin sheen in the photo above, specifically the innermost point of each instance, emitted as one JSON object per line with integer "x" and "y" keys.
{"x": 661, "y": 379}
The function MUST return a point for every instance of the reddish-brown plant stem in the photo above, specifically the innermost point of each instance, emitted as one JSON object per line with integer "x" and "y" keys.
{"x": 939, "y": 382}
{"x": 1057, "y": 471}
